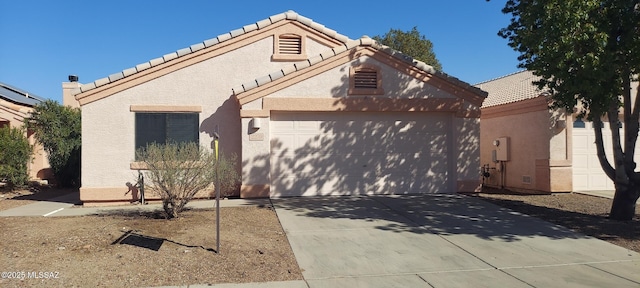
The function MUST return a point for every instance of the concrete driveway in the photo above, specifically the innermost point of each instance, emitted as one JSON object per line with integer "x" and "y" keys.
{"x": 443, "y": 241}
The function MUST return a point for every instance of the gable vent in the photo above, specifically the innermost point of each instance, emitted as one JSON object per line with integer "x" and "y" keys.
{"x": 290, "y": 44}
{"x": 365, "y": 78}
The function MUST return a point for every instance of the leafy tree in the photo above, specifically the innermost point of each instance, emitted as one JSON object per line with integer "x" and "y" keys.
{"x": 587, "y": 53}
{"x": 15, "y": 155}
{"x": 176, "y": 172}
{"x": 57, "y": 128}
{"x": 411, "y": 43}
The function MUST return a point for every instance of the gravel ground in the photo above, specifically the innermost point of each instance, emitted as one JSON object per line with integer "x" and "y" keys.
{"x": 141, "y": 249}
{"x": 581, "y": 213}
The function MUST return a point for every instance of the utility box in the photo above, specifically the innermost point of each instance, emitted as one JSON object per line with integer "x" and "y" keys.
{"x": 502, "y": 148}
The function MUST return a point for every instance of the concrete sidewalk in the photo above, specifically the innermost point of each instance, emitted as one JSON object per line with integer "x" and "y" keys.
{"x": 65, "y": 206}
{"x": 443, "y": 241}
{"x": 598, "y": 193}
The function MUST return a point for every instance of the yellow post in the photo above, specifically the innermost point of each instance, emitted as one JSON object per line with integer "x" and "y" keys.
{"x": 215, "y": 144}
{"x": 217, "y": 185}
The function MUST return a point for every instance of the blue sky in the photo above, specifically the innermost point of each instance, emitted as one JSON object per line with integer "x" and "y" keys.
{"x": 42, "y": 42}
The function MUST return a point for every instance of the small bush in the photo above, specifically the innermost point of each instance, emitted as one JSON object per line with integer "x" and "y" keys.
{"x": 15, "y": 154}
{"x": 178, "y": 171}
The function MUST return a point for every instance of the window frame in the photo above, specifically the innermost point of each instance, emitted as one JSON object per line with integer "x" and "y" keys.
{"x": 164, "y": 109}
{"x": 170, "y": 128}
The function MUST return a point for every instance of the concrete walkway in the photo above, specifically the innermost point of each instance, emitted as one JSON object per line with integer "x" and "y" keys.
{"x": 65, "y": 206}
{"x": 603, "y": 193}
{"x": 443, "y": 241}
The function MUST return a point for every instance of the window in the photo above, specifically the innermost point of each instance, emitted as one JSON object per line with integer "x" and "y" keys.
{"x": 163, "y": 128}
{"x": 365, "y": 80}
{"x": 578, "y": 123}
{"x": 289, "y": 47}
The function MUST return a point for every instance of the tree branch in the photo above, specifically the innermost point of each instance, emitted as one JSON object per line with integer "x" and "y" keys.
{"x": 602, "y": 156}
{"x": 631, "y": 125}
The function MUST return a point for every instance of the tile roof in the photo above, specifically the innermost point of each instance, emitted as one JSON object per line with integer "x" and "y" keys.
{"x": 364, "y": 41}
{"x": 289, "y": 15}
{"x": 510, "y": 88}
{"x": 18, "y": 96}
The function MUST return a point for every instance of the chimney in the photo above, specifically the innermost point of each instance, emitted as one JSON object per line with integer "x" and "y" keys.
{"x": 68, "y": 88}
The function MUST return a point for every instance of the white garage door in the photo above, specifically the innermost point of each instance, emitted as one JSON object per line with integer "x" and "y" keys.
{"x": 355, "y": 153}
{"x": 587, "y": 172}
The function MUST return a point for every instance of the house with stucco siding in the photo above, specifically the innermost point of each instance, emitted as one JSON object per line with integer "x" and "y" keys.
{"x": 15, "y": 105}
{"x": 307, "y": 110}
{"x": 547, "y": 150}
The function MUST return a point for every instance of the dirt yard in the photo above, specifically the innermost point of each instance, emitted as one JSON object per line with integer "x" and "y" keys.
{"x": 142, "y": 249}
{"x": 580, "y": 213}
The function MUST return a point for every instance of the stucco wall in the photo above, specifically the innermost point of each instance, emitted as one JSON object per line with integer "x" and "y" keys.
{"x": 334, "y": 83}
{"x": 537, "y": 145}
{"x": 108, "y": 124}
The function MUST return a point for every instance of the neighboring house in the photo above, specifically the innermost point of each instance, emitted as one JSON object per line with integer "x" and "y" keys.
{"x": 548, "y": 151}
{"x": 15, "y": 105}
{"x": 308, "y": 111}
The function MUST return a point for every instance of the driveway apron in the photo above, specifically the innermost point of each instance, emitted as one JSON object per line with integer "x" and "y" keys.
{"x": 443, "y": 241}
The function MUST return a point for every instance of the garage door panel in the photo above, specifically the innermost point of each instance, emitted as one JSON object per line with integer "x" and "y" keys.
{"x": 359, "y": 153}
{"x": 587, "y": 172}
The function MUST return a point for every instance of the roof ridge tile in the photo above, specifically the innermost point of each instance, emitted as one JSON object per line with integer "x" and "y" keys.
{"x": 364, "y": 41}
{"x": 250, "y": 27}
{"x": 500, "y": 77}
{"x": 277, "y": 17}
{"x": 288, "y": 15}
{"x": 291, "y": 15}
{"x": 116, "y": 76}
{"x": 184, "y": 51}
{"x": 197, "y": 46}
{"x": 210, "y": 42}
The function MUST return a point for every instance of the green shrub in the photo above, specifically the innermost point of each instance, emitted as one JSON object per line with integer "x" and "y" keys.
{"x": 15, "y": 154}
{"x": 178, "y": 171}
{"x": 57, "y": 128}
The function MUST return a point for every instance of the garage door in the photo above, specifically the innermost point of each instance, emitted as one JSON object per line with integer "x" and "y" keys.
{"x": 356, "y": 153}
{"x": 587, "y": 172}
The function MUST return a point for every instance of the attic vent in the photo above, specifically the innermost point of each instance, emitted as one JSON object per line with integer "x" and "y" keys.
{"x": 365, "y": 80}
{"x": 526, "y": 179}
{"x": 289, "y": 47}
{"x": 290, "y": 44}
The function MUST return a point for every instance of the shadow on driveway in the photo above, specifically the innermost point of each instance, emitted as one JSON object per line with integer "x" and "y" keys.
{"x": 434, "y": 214}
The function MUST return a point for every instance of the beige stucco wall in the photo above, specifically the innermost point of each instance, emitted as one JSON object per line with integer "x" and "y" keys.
{"x": 334, "y": 83}
{"x": 108, "y": 124}
{"x": 539, "y": 148}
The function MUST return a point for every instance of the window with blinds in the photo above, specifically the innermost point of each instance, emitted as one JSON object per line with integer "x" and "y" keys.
{"x": 164, "y": 128}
